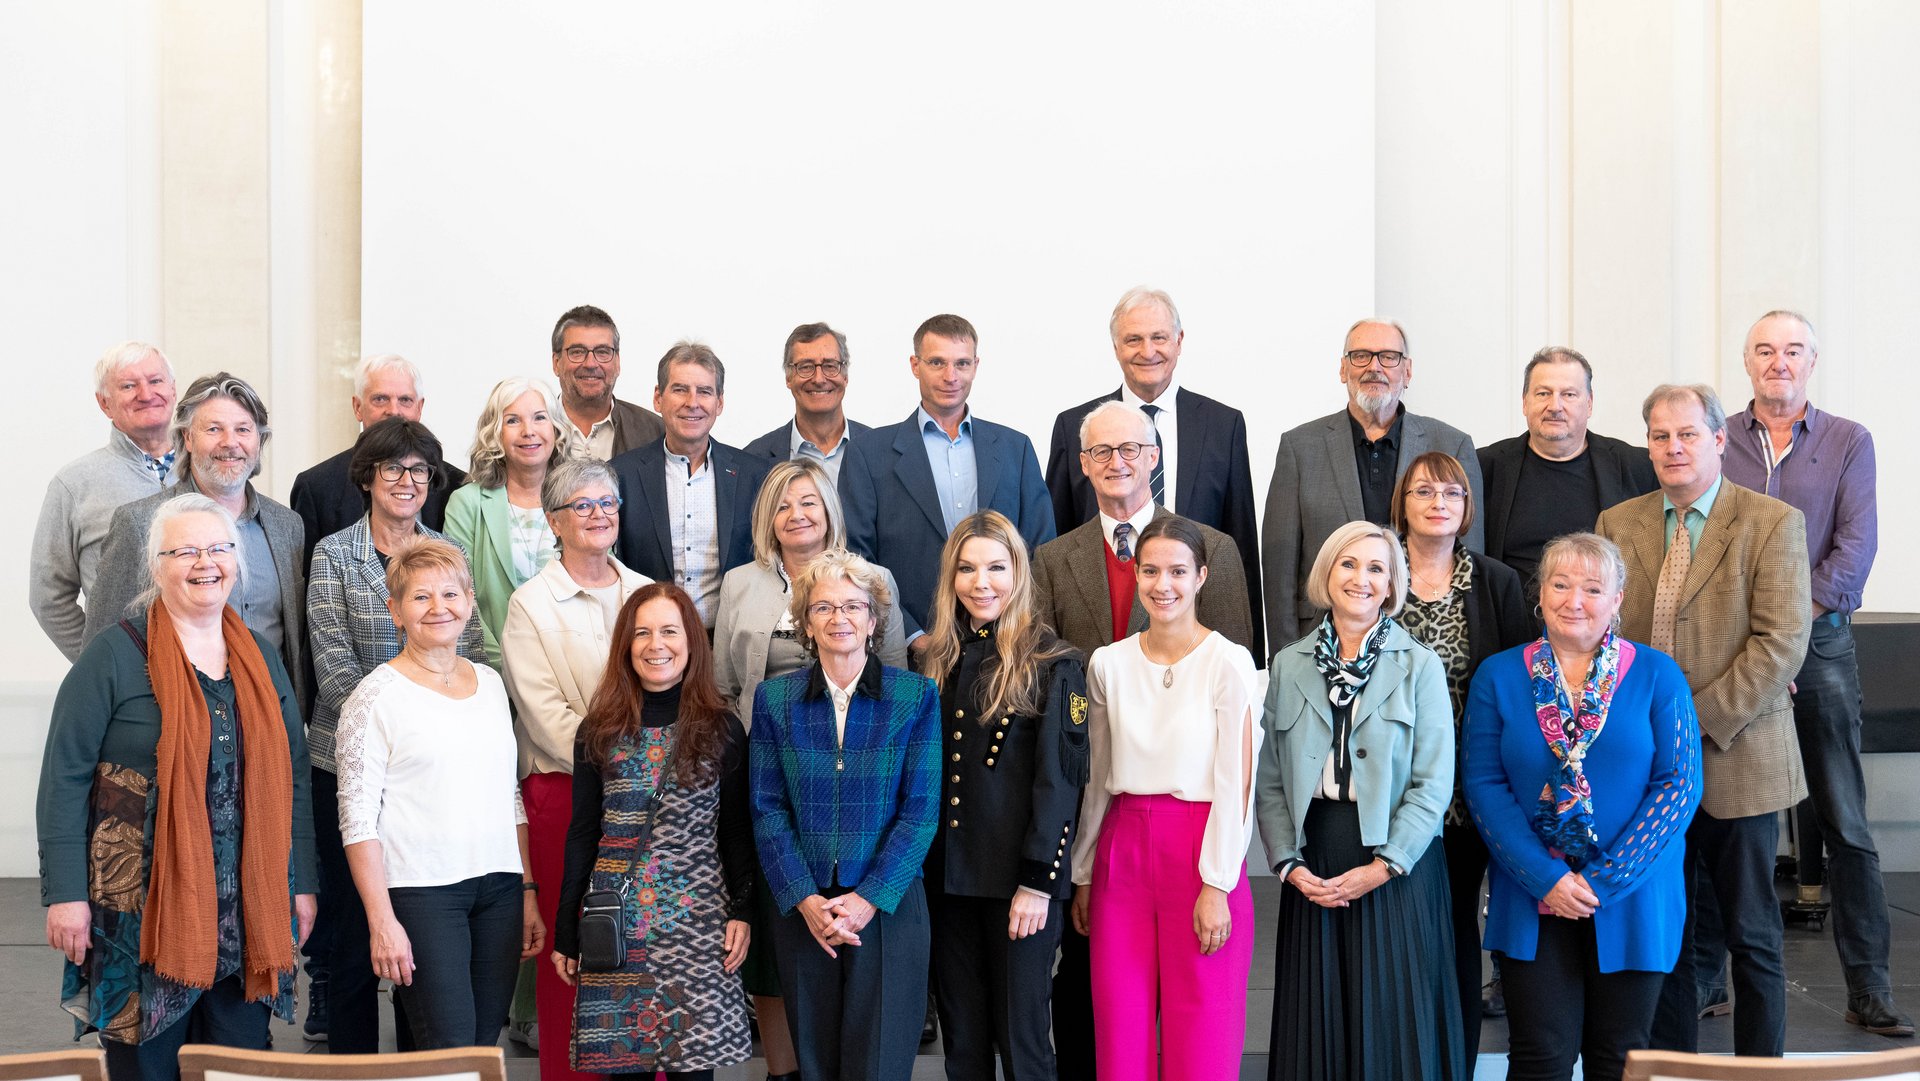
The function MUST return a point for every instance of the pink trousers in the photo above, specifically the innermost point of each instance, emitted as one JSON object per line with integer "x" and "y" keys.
{"x": 1147, "y": 964}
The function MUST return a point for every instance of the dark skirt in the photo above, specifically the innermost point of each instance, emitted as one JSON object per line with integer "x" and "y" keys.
{"x": 760, "y": 973}
{"x": 1365, "y": 992}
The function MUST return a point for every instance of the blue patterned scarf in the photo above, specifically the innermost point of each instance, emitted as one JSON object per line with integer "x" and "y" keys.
{"x": 1564, "y": 817}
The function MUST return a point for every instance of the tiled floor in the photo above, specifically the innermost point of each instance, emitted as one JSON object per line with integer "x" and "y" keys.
{"x": 30, "y": 979}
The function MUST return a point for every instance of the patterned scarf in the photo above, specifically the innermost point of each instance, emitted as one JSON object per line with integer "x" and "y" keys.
{"x": 1564, "y": 817}
{"x": 1346, "y": 678}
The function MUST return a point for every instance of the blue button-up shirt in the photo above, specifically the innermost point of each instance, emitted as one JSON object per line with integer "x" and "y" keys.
{"x": 693, "y": 520}
{"x": 1828, "y": 474}
{"x": 956, "y": 477}
{"x": 801, "y": 447}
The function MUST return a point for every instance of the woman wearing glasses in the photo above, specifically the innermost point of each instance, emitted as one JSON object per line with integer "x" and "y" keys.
{"x": 796, "y": 518}
{"x": 1465, "y": 607}
{"x": 554, "y": 648}
{"x": 845, "y": 772}
{"x": 397, "y": 463}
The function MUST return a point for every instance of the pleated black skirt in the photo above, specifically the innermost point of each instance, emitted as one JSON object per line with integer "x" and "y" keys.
{"x": 1365, "y": 992}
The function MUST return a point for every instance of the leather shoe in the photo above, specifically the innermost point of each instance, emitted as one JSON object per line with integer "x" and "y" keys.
{"x": 1712, "y": 1001}
{"x": 1876, "y": 1014}
{"x": 1493, "y": 1000}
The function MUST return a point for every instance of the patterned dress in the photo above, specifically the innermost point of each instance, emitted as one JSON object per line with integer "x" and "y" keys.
{"x": 672, "y": 1006}
{"x": 1441, "y": 625}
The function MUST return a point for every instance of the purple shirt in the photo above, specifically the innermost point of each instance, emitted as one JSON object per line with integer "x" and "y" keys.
{"x": 1827, "y": 475}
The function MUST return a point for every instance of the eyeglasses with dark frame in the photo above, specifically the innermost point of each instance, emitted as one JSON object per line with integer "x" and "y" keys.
{"x": 1389, "y": 358}
{"x": 390, "y": 472}
{"x": 578, "y": 354}
{"x": 1102, "y": 453}
{"x": 806, "y": 369}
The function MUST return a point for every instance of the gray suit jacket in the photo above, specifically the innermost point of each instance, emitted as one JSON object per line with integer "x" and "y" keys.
{"x": 1316, "y": 490}
{"x": 1740, "y": 635}
{"x": 1070, "y": 587}
{"x": 123, "y": 571}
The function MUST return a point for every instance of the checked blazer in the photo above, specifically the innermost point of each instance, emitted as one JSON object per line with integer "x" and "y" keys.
{"x": 863, "y": 813}
{"x": 1739, "y": 635}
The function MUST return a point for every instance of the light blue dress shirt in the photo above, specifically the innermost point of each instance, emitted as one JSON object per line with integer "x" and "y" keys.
{"x": 1696, "y": 514}
{"x": 956, "y": 476}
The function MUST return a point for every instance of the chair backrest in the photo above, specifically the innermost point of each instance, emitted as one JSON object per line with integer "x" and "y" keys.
{"x": 1902, "y": 1064}
{"x": 206, "y": 1062}
{"x": 83, "y": 1065}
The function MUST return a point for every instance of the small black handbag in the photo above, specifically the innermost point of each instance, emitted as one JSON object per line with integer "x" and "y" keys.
{"x": 603, "y": 914}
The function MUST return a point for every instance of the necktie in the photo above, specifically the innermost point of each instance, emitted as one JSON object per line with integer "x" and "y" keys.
{"x": 1673, "y": 575}
{"x": 1159, "y": 480}
{"x": 1122, "y": 547}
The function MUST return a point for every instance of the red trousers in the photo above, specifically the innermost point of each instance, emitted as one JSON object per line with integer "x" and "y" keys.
{"x": 549, "y": 801}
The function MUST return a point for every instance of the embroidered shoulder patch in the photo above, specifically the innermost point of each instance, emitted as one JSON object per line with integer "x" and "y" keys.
{"x": 1077, "y": 707}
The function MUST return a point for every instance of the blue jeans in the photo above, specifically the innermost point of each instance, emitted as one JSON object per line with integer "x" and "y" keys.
{"x": 466, "y": 954}
{"x": 1826, "y": 715}
{"x": 222, "y": 1015}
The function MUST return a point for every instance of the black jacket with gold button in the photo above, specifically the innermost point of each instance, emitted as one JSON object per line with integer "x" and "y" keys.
{"x": 1010, "y": 785}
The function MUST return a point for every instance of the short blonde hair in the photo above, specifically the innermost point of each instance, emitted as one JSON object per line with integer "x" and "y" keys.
{"x": 838, "y": 564}
{"x": 421, "y": 554}
{"x": 1587, "y": 550}
{"x": 766, "y": 546}
{"x": 1344, "y": 538}
{"x": 488, "y": 457}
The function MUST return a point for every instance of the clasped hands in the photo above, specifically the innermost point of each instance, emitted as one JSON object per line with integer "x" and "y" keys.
{"x": 1342, "y": 889}
{"x": 836, "y": 921}
{"x": 1572, "y": 897}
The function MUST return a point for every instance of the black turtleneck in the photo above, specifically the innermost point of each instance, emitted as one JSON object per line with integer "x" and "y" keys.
{"x": 733, "y": 832}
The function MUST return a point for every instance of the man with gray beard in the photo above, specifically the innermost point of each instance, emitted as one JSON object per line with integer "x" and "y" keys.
{"x": 219, "y": 431}
{"x": 1342, "y": 468}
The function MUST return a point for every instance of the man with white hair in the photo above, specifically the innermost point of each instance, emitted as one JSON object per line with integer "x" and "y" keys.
{"x": 384, "y": 385}
{"x": 1203, "y": 473}
{"x": 133, "y": 385}
{"x": 1342, "y": 468}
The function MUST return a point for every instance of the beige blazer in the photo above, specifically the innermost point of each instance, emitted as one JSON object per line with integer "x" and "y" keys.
{"x": 553, "y": 649}
{"x": 1740, "y": 635}
{"x": 1070, "y": 587}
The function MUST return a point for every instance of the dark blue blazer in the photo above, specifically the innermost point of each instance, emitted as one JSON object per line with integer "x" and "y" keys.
{"x": 1214, "y": 484}
{"x": 777, "y": 445}
{"x": 646, "y": 541}
{"x": 893, "y": 508}
{"x": 1644, "y": 770}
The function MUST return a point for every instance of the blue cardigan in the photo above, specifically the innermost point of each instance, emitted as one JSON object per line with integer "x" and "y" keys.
{"x": 865, "y": 812}
{"x": 1644, "y": 770}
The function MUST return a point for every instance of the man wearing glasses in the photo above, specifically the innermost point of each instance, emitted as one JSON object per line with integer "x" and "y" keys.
{"x": 816, "y": 365}
{"x": 1558, "y": 477}
{"x": 1342, "y": 468}
{"x": 906, "y": 485}
{"x": 586, "y": 360}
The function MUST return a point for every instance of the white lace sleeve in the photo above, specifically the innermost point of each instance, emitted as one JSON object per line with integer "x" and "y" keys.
{"x": 361, "y": 746}
{"x": 519, "y": 807}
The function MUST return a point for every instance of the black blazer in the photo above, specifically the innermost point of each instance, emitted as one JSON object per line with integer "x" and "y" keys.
{"x": 1499, "y": 613}
{"x": 1010, "y": 786}
{"x": 1622, "y": 470}
{"x": 646, "y": 540}
{"x": 328, "y": 501}
{"x": 1214, "y": 484}
{"x": 777, "y": 445}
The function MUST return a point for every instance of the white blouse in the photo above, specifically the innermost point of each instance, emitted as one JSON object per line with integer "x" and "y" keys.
{"x": 1181, "y": 740}
{"x": 432, "y": 778}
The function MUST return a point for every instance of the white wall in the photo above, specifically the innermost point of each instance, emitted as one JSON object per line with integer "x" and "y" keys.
{"x": 726, "y": 174}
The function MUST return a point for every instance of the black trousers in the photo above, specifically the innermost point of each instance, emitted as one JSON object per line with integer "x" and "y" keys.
{"x": 466, "y": 956}
{"x": 1560, "y": 1006}
{"x": 346, "y": 958}
{"x": 1732, "y": 858}
{"x": 857, "y": 1017}
{"x": 1466, "y": 869}
{"x": 993, "y": 992}
{"x": 1073, "y": 1007}
{"x": 222, "y": 1016}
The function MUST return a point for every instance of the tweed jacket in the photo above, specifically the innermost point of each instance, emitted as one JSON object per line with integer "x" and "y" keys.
{"x": 478, "y": 520}
{"x": 863, "y": 811}
{"x": 349, "y": 628}
{"x": 893, "y": 508}
{"x": 1620, "y": 469}
{"x": 554, "y": 648}
{"x": 1403, "y": 750}
{"x": 123, "y": 571}
{"x": 1316, "y": 490}
{"x": 1740, "y": 634}
{"x": 752, "y": 596}
{"x": 646, "y": 537}
{"x": 1070, "y": 589}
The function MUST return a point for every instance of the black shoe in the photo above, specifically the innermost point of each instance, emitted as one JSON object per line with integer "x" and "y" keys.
{"x": 1493, "y": 1000}
{"x": 1712, "y": 1002}
{"x": 930, "y": 1031}
{"x": 1876, "y": 1014}
{"x": 316, "y": 1027}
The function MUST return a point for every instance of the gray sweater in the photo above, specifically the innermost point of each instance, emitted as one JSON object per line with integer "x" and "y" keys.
{"x": 73, "y": 527}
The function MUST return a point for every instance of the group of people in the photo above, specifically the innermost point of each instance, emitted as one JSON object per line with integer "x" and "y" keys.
{"x": 637, "y": 739}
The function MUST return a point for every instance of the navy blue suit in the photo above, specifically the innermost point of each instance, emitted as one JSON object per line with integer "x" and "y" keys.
{"x": 893, "y": 508}
{"x": 777, "y": 445}
{"x": 646, "y": 539}
{"x": 1214, "y": 485}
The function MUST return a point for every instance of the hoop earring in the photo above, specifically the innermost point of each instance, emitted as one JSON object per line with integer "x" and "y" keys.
{"x": 1540, "y": 617}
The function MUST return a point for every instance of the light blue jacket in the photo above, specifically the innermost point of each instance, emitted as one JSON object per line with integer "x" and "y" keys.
{"x": 1403, "y": 750}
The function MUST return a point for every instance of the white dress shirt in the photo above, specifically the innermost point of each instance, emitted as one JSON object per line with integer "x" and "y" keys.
{"x": 693, "y": 518}
{"x": 1167, "y": 423}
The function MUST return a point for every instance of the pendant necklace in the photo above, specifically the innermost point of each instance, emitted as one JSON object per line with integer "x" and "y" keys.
{"x": 1166, "y": 677}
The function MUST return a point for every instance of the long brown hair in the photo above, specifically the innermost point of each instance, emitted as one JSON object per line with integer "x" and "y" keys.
{"x": 1022, "y": 643}
{"x": 614, "y": 713}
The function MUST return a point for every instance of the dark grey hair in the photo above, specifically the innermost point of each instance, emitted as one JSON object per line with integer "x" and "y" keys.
{"x": 200, "y": 392}
{"x": 1555, "y": 354}
{"x": 813, "y": 332}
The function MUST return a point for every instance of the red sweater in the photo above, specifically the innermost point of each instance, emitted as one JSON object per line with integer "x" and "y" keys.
{"x": 1120, "y": 589}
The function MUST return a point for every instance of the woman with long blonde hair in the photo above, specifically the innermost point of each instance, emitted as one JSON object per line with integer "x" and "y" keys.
{"x": 1016, "y": 759}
